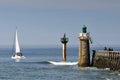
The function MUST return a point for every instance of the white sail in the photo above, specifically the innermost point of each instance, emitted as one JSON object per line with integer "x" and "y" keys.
{"x": 17, "y": 47}
{"x": 17, "y": 55}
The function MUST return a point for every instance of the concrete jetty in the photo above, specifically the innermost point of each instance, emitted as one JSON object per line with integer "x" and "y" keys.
{"x": 106, "y": 59}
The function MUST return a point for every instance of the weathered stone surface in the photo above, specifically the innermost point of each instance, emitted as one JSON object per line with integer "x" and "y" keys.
{"x": 106, "y": 59}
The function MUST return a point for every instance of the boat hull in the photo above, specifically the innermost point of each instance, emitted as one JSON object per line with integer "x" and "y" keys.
{"x": 17, "y": 58}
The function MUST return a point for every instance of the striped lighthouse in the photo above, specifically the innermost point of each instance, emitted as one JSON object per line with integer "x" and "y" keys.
{"x": 64, "y": 41}
{"x": 84, "y": 50}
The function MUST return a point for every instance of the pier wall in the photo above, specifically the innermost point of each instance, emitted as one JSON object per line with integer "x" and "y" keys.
{"x": 106, "y": 59}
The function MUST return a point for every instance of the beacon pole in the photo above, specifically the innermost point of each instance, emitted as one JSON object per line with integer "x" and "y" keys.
{"x": 64, "y": 41}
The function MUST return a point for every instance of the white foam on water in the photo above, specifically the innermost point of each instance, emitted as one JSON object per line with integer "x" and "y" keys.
{"x": 88, "y": 68}
{"x": 92, "y": 68}
{"x": 63, "y": 63}
{"x": 108, "y": 79}
{"x": 118, "y": 74}
{"x": 17, "y": 60}
{"x": 107, "y": 68}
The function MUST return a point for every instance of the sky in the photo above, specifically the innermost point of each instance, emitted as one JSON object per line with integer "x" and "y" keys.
{"x": 43, "y": 22}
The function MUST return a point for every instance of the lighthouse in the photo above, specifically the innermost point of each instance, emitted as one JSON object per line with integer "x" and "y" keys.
{"x": 64, "y": 41}
{"x": 84, "y": 49}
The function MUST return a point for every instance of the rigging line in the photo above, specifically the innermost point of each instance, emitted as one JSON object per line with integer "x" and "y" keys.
{"x": 97, "y": 43}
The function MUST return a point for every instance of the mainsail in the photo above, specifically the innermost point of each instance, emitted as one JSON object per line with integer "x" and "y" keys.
{"x": 17, "y": 47}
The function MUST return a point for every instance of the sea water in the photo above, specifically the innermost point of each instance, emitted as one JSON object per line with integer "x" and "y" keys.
{"x": 36, "y": 66}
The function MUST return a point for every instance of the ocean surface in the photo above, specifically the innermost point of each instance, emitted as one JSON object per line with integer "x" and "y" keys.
{"x": 37, "y": 66}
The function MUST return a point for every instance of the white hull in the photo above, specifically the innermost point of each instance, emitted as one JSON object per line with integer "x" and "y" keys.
{"x": 63, "y": 63}
{"x": 17, "y": 58}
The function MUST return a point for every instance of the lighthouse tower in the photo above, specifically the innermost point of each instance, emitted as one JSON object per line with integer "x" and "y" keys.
{"x": 84, "y": 50}
{"x": 64, "y": 41}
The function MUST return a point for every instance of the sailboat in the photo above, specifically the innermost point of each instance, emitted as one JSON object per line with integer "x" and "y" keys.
{"x": 17, "y": 55}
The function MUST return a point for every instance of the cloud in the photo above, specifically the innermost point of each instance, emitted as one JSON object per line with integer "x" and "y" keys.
{"x": 64, "y": 4}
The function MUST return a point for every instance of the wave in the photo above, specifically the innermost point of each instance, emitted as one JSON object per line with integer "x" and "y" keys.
{"x": 52, "y": 62}
{"x": 41, "y": 62}
{"x": 109, "y": 79}
{"x": 93, "y": 68}
{"x": 63, "y": 63}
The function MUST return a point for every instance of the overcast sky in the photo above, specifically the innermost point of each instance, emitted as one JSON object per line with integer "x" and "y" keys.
{"x": 43, "y": 22}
